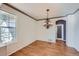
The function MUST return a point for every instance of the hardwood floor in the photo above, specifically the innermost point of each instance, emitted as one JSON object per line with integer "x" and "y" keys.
{"x": 42, "y": 48}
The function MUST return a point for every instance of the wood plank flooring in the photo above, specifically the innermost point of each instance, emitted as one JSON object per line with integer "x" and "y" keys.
{"x": 42, "y": 48}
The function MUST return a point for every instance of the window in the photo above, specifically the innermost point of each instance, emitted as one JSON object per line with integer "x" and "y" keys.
{"x": 7, "y": 27}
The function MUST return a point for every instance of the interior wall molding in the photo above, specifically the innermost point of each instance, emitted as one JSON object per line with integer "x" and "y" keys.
{"x": 61, "y": 16}
{"x": 42, "y": 18}
{"x": 7, "y": 4}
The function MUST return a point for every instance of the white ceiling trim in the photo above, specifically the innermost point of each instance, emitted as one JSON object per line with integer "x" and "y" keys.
{"x": 38, "y": 11}
{"x": 61, "y": 16}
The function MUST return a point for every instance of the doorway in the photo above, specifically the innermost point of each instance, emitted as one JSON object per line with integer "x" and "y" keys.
{"x": 61, "y": 30}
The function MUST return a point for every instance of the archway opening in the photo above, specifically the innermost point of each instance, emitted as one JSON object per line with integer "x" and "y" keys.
{"x": 61, "y": 30}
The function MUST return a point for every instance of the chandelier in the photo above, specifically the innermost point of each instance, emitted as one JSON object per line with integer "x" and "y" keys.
{"x": 47, "y": 22}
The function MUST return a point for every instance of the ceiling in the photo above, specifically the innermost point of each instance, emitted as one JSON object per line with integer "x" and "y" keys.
{"x": 38, "y": 10}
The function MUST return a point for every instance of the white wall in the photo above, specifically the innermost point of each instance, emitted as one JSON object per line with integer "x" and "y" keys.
{"x": 76, "y": 30}
{"x": 73, "y": 31}
{"x": 46, "y": 34}
{"x": 0, "y": 4}
{"x": 25, "y": 32}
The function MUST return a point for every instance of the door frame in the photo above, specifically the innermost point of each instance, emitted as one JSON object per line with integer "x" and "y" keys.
{"x": 62, "y": 26}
